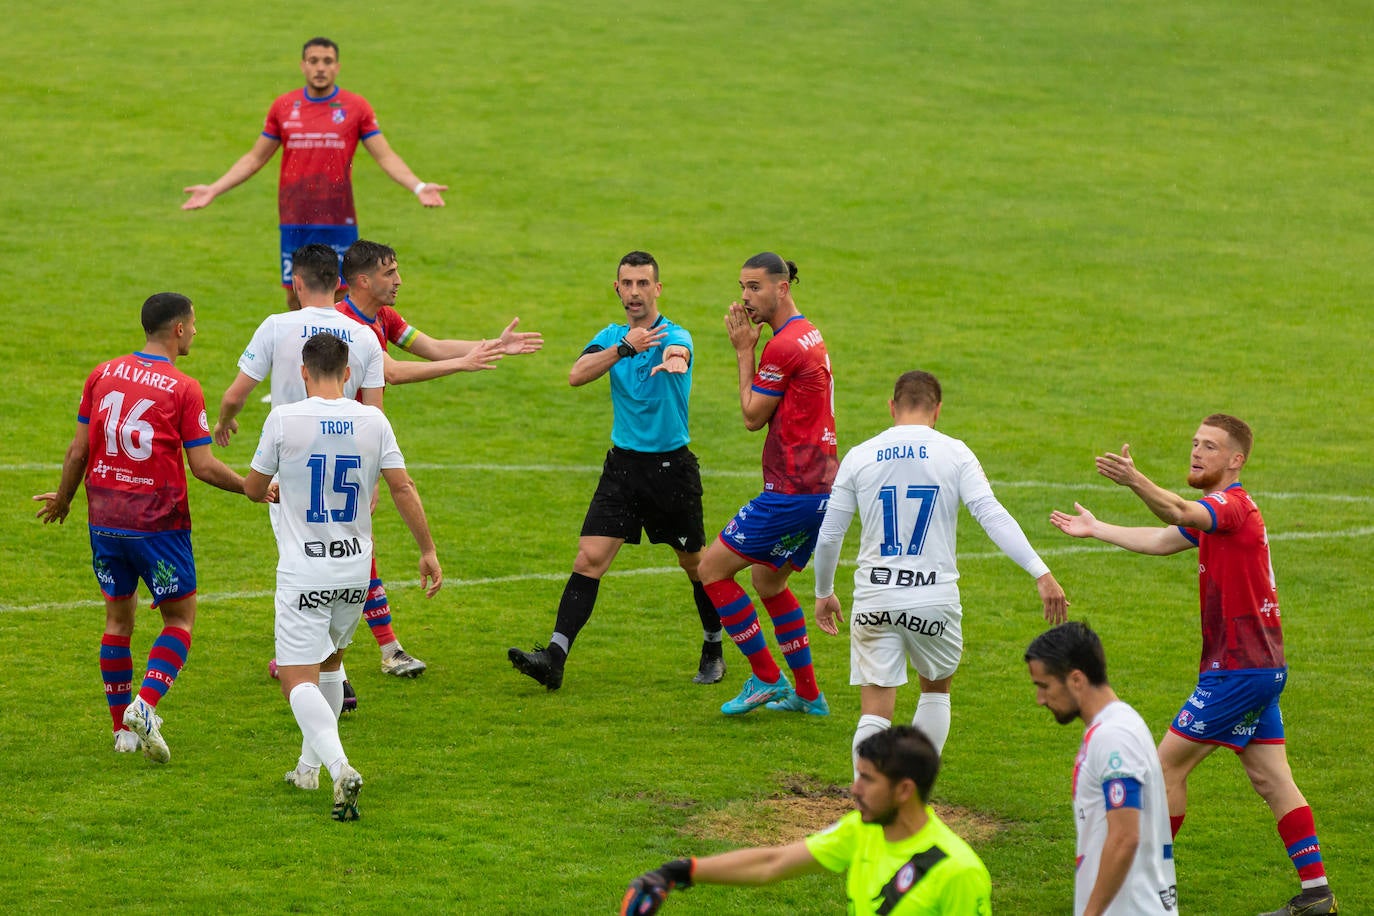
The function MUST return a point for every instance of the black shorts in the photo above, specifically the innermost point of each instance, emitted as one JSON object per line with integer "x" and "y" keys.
{"x": 657, "y": 492}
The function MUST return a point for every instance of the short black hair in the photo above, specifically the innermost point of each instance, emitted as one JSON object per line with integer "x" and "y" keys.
{"x": 162, "y": 309}
{"x": 318, "y": 267}
{"x": 917, "y": 390}
{"x": 638, "y": 259}
{"x": 325, "y": 355}
{"x": 1071, "y": 646}
{"x": 774, "y": 264}
{"x": 363, "y": 256}
{"x": 903, "y": 752}
{"x": 319, "y": 41}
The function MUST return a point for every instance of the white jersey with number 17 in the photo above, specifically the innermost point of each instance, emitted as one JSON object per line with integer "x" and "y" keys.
{"x": 906, "y": 483}
{"x": 327, "y": 456}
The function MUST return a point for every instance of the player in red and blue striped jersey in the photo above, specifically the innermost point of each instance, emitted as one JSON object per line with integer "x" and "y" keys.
{"x": 1243, "y": 671}
{"x": 790, "y": 390}
{"x": 138, "y": 414}
{"x": 319, "y": 128}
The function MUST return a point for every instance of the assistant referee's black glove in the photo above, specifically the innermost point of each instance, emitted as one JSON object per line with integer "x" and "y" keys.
{"x": 647, "y": 892}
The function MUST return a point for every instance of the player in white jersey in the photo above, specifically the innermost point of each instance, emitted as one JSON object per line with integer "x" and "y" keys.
{"x": 1125, "y": 855}
{"x": 278, "y": 340}
{"x": 327, "y": 452}
{"x": 906, "y": 484}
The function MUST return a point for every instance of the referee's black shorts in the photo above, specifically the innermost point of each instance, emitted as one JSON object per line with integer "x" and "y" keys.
{"x": 656, "y": 492}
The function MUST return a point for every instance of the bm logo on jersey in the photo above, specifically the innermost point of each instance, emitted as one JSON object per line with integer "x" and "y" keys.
{"x": 349, "y": 547}
{"x": 904, "y": 578}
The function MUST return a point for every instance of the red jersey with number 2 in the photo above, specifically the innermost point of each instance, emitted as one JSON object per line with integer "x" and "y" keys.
{"x": 141, "y": 411}
{"x": 1241, "y": 625}
{"x": 800, "y": 452}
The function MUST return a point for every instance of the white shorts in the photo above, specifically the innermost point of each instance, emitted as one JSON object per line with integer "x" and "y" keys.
{"x": 881, "y": 642}
{"x": 313, "y": 622}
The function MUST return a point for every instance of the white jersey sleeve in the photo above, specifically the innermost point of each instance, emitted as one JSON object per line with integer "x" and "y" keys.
{"x": 256, "y": 360}
{"x": 839, "y": 512}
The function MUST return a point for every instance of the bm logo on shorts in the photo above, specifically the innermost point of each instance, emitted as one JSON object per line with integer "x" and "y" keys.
{"x": 905, "y": 578}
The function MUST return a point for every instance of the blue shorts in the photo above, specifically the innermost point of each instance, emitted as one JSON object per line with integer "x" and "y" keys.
{"x": 1234, "y": 708}
{"x": 293, "y": 237}
{"x": 777, "y": 528}
{"x": 163, "y": 561}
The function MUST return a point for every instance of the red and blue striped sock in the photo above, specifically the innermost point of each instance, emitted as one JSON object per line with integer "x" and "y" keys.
{"x": 377, "y": 610}
{"x": 741, "y": 621}
{"x": 789, "y": 628}
{"x": 1299, "y": 834}
{"x": 165, "y": 661}
{"x": 117, "y": 671}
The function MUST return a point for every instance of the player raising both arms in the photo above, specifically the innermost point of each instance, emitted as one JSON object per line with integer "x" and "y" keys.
{"x": 1243, "y": 671}
{"x": 319, "y": 128}
{"x": 145, "y": 413}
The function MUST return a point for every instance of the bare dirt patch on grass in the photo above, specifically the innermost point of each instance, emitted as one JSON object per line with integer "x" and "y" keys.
{"x": 802, "y": 806}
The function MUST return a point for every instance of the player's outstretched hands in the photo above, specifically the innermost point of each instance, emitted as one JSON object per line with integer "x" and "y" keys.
{"x": 54, "y": 510}
{"x": 1078, "y": 526}
{"x": 828, "y": 616}
{"x": 744, "y": 334}
{"x": 1119, "y": 468}
{"x": 1052, "y": 597}
{"x": 647, "y": 892}
{"x": 223, "y": 430}
{"x": 201, "y": 195}
{"x": 431, "y": 576}
{"x": 514, "y": 343}
{"x": 432, "y": 195}
{"x": 483, "y": 356}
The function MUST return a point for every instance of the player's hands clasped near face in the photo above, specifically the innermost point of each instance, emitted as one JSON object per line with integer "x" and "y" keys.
{"x": 744, "y": 334}
{"x": 828, "y": 615}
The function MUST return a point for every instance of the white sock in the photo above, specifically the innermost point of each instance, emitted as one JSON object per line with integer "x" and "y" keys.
{"x": 390, "y": 648}
{"x": 932, "y": 717}
{"x": 331, "y": 685}
{"x": 868, "y": 725}
{"x": 318, "y": 725}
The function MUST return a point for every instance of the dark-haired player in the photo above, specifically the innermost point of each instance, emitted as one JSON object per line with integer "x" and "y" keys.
{"x": 900, "y": 858}
{"x": 373, "y": 279}
{"x": 1243, "y": 671}
{"x": 138, "y": 414}
{"x": 1125, "y": 856}
{"x": 650, "y": 481}
{"x": 790, "y": 390}
{"x": 319, "y": 127}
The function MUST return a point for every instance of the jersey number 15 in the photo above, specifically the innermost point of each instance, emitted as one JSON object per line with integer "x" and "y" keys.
{"x": 342, "y": 484}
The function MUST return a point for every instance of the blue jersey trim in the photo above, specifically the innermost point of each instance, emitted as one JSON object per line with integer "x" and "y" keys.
{"x": 196, "y": 443}
{"x": 305, "y": 91}
{"x": 157, "y": 359}
{"x": 371, "y": 134}
{"x": 1126, "y": 790}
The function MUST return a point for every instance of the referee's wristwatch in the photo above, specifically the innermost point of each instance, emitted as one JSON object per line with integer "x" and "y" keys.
{"x": 625, "y": 349}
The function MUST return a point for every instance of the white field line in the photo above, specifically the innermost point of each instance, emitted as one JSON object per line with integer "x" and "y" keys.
{"x": 215, "y": 597}
{"x": 755, "y": 475}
